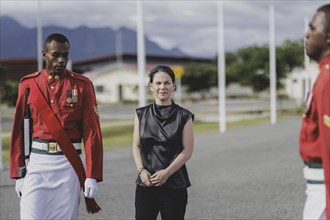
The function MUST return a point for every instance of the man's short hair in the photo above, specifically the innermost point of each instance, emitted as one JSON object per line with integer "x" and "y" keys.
{"x": 326, "y": 10}
{"x": 56, "y": 37}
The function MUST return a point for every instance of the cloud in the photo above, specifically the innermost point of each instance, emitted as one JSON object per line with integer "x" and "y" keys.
{"x": 189, "y": 25}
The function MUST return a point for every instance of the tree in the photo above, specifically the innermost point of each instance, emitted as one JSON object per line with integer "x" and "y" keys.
{"x": 11, "y": 93}
{"x": 200, "y": 77}
{"x": 251, "y": 67}
{"x": 289, "y": 56}
{"x": 8, "y": 89}
{"x": 2, "y": 72}
{"x": 247, "y": 66}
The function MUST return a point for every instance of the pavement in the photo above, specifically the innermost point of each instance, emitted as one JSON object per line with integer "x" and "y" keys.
{"x": 251, "y": 172}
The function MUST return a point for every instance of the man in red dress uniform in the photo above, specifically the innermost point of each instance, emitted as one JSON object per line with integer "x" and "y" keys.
{"x": 315, "y": 128}
{"x": 48, "y": 182}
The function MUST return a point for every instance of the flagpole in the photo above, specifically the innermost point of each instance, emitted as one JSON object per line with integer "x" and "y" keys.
{"x": 141, "y": 54}
{"x": 1, "y": 162}
{"x": 307, "y": 65}
{"x": 272, "y": 66}
{"x": 221, "y": 71}
{"x": 39, "y": 37}
{"x": 119, "y": 49}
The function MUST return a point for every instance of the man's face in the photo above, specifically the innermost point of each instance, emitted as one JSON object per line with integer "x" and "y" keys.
{"x": 317, "y": 40}
{"x": 56, "y": 56}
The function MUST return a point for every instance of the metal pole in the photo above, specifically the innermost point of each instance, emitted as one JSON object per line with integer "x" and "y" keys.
{"x": 69, "y": 65}
{"x": 39, "y": 37}
{"x": 119, "y": 49}
{"x": 1, "y": 162}
{"x": 307, "y": 65}
{"x": 141, "y": 54}
{"x": 221, "y": 70}
{"x": 178, "y": 94}
{"x": 272, "y": 66}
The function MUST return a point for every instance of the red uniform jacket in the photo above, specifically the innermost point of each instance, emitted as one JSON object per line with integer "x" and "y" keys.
{"x": 315, "y": 128}
{"x": 79, "y": 119}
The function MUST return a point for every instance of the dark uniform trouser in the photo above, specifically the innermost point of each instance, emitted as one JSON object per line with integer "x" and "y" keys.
{"x": 149, "y": 201}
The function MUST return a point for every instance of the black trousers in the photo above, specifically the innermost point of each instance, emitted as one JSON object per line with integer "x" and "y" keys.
{"x": 149, "y": 201}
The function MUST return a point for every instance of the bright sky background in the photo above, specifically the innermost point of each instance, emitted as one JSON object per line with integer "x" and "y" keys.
{"x": 188, "y": 25}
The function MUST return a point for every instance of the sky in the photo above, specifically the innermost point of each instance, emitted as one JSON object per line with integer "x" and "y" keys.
{"x": 189, "y": 25}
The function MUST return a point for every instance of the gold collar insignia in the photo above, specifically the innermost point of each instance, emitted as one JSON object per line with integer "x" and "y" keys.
{"x": 326, "y": 120}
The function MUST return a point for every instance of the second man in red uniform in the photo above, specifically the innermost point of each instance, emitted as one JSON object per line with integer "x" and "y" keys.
{"x": 315, "y": 128}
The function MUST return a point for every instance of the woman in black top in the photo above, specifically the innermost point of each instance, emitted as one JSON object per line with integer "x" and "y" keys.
{"x": 163, "y": 142}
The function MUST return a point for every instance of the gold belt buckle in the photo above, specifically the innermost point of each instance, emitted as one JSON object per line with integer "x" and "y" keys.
{"x": 52, "y": 147}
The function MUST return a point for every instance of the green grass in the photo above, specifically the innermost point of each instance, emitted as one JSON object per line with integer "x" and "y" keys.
{"x": 5, "y": 149}
{"x": 117, "y": 136}
{"x": 202, "y": 127}
{"x": 121, "y": 135}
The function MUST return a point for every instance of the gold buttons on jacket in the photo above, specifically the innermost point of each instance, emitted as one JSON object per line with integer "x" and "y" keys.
{"x": 56, "y": 77}
{"x": 52, "y": 87}
{"x": 52, "y": 101}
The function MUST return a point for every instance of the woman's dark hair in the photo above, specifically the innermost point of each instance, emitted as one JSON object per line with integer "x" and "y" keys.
{"x": 56, "y": 37}
{"x": 164, "y": 69}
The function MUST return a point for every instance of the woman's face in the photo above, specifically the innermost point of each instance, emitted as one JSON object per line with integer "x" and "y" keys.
{"x": 162, "y": 88}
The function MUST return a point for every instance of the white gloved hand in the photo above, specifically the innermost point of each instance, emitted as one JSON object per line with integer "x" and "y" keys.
{"x": 91, "y": 188}
{"x": 19, "y": 187}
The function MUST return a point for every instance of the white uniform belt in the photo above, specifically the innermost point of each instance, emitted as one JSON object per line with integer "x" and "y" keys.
{"x": 314, "y": 174}
{"x": 52, "y": 147}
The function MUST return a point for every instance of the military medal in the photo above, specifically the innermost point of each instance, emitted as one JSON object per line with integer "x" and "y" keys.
{"x": 74, "y": 96}
{"x": 68, "y": 96}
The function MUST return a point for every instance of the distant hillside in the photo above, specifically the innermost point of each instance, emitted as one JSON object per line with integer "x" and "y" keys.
{"x": 17, "y": 41}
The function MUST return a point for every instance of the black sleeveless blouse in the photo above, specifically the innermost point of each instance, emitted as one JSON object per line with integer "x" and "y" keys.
{"x": 161, "y": 140}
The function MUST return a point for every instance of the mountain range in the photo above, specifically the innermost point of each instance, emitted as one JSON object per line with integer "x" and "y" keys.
{"x": 17, "y": 41}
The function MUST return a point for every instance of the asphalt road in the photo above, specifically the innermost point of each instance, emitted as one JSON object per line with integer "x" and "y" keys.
{"x": 246, "y": 173}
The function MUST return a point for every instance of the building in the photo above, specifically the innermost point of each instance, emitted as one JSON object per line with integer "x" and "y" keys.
{"x": 15, "y": 69}
{"x": 114, "y": 83}
{"x": 116, "y": 78}
{"x": 294, "y": 85}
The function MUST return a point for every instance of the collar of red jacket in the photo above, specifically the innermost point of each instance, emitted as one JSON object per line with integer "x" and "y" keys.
{"x": 45, "y": 74}
{"x": 325, "y": 61}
